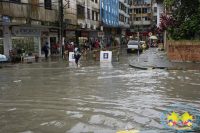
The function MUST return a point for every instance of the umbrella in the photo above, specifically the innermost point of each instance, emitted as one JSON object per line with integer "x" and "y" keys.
{"x": 153, "y": 37}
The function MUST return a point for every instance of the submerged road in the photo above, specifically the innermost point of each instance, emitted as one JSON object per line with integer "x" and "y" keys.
{"x": 54, "y": 97}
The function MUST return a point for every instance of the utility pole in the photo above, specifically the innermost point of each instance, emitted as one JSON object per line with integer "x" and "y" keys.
{"x": 61, "y": 25}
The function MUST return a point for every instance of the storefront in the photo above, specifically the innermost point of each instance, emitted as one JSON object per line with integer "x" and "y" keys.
{"x": 70, "y": 36}
{"x": 44, "y": 38}
{"x": 93, "y": 35}
{"x": 53, "y": 34}
{"x": 28, "y": 39}
{"x": 1, "y": 41}
{"x": 84, "y": 37}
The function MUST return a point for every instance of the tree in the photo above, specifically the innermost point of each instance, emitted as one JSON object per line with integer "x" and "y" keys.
{"x": 184, "y": 22}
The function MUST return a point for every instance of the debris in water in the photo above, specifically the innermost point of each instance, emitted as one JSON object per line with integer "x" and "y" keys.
{"x": 17, "y": 81}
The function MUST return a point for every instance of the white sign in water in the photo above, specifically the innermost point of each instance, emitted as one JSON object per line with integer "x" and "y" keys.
{"x": 106, "y": 56}
{"x": 71, "y": 56}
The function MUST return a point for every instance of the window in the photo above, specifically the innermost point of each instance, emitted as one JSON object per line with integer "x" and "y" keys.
{"x": 144, "y": 10}
{"x": 80, "y": 12}
{"x": 88, "y": 13}
{"x": 95, "y": 1}
{"x": 96, "y": 16}
{"x": 92, "y": 0}
{"x": 145, "y": 18}
{"x": 47, "y": 4}
{"x": 137, "y": 10}
{"x": 155, "y": 9}
{"x": 137, "y": 19}
{"x": 15, "y": 1}
{"x": 92, "y": 15}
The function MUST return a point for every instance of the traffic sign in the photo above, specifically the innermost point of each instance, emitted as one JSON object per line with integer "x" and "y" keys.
{"x": 150, "y": 33}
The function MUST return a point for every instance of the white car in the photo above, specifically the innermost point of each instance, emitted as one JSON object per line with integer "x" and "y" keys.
{"x": 134, "y": 46}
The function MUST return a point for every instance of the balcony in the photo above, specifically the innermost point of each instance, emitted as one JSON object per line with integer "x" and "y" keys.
{"x": 146, "y": 22}
{"x": 23, "y": 11}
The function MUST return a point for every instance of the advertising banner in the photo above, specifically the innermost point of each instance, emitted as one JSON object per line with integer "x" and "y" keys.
{"x": 70, "y": 34}
{"x": 106, "y": 56}
{"x": 25, "y": 31}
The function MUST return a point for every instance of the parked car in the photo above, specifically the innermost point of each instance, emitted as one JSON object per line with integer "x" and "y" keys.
{"x": 143, "y": 43}
{"x": 134, "y": 46}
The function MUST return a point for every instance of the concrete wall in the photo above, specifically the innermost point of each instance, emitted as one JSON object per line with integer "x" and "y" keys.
{"x": 183, "y": 51}
{"x": 23, "y": 11}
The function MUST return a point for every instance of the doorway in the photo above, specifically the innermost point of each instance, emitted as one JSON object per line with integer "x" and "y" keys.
{"x": 53, "y": 45}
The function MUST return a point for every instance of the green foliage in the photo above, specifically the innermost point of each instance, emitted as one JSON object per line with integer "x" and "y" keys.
{"x": 186, "y": 12}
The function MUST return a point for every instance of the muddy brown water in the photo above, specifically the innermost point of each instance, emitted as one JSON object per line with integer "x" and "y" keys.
{"x": 54, "y": 97}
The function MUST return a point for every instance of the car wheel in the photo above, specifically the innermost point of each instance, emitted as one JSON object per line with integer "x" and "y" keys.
{"x": 128, "y": 51}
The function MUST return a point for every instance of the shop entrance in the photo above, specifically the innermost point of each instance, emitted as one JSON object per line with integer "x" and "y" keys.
{"x": 1, "y": 46}
{"x": 53, "y": 45}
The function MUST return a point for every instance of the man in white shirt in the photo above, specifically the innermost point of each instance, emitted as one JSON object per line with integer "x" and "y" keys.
{"x": 72, "y": 43}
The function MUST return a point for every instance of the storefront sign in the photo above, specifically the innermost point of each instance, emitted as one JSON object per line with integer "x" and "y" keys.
{"x": 70, "y": 34}
{"x": 106, "y": 56}
{"x": 100, "y": 34}
{"x": 45, "y": 33}
{"x": 5, "y": 19}
{"x": 1, "y": 31}
{"x": 84, "y": 33}
{"x": 53, "y": 31}
{"x": 26, "y": 31}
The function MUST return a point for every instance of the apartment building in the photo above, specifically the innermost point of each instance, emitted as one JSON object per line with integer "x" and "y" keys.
{"x": 124, "y": 16}
{"x": 88, "y": 19}
{"x": 141, "y": 18}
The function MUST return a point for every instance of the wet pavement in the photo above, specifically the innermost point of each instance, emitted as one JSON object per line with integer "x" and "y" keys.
{"x": 153, "y": 58}
{"x": 52, "y": 96}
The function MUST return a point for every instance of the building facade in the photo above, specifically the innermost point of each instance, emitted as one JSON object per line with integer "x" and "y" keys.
{"x": 141, "y": 18}
{"x": 27, "y": 25}
{"x": 109, "y": 18}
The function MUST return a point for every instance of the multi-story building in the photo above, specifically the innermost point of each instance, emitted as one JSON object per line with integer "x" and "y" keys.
{"x": 88, "y": 19}
{"x": 27, "y": 25}
{"x": 124, "y": 16}
{"x": 109, "y": 15}
{"x": 141, "y": 18}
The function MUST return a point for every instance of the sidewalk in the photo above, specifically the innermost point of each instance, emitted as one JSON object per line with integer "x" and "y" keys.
{"x": 154, "y": 59}
{"x": 32, "y": 60}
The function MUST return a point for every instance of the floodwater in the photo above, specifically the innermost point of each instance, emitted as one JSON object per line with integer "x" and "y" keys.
{"x": 54, "y": 97}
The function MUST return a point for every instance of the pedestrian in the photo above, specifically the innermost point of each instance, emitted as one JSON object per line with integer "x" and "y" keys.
{"x": 68, "y": 44}
{"x": 58, "y": 47}
{"x": 72, "y": 43}
{"x": 46, "y": 48}
{"x": 99, "y": 43}
{"x": 77, "y": 56}
{"x": 96, "y": 44}
{"x": 85, "y": 45}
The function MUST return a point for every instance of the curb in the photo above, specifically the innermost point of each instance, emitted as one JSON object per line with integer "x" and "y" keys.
{"x": 163, "y": 68}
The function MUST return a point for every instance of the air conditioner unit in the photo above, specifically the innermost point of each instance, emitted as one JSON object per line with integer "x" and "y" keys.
{"x": 68, "y": 21}
{"x": 82, "y": 25}
{"x": 94, "y": 27}
{"x": 87, "y": 26}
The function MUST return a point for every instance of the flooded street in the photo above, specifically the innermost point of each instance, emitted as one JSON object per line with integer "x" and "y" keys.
{"x": 54, "y": 97}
